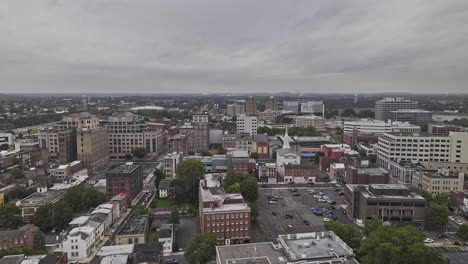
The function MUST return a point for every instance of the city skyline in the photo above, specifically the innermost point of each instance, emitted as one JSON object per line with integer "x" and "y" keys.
{"x": 233, "y": 47}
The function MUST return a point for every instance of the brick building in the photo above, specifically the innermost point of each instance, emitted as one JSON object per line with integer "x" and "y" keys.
{"x": 239, "y": 161}
{"x": 366, "y": 176}
{"x": 225, "y": 214}
{"x": 299, "y": 173}
{"x": 125, "y": 178}
{"x": 18, "y": 238}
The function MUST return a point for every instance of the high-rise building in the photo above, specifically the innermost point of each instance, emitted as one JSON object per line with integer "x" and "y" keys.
{"x": 200, "y": 140}
{"x": 271, "y": 104}
{"x": 384, "y": 107}
{"x": 412, "y": 116}
{"x": 355, "y": 98}
{"x": 125, "y": 178}
{"x": 291, "y": 106}
{"x": 235, "y": 109}
{"x": 377, "y": 127}
{"x": 81, "y": 120}
{"x": 311, "y": 107}
{"x": 93, "y": 147}
{"x": 61, "y": 144}
{"x": 250, "y": 105}
{"x": 128, "y": 131}
{"x": 246, "y": 124}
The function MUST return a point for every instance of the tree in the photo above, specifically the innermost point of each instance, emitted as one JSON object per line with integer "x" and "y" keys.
{"x": 235, "y": 188}
{"x": 390, "y": 244}
{"x": 371, "y": 225}
{"x": 346, "y": 233}
{"x": 253, "y": 211}
{"x": 81, "y": 198}
{"x": 139, "y": 152}
{"x": 232, "y": 178}
{"x": 463, "y": 232}
{"x": 249, "y": 188}
{"x": 188, "y": 176}
{"x": 38, "y": 241}
{"x": 372, "y": 158}
{"x": 18, "y": 173}
{"x": 53, "y": 216}
{"x": 437, "y": 215}
{"x": 348, "y": 113}
{"x": 140, "y": 210}
{"x": 174, "y": 218}
{"x": 18, "y": 192}
{"x": 201, "y": 248}
{"x": 10, "y": 217}
{"x": 158, "y": 176}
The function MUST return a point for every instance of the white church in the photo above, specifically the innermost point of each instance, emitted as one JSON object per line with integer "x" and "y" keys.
{"x": 286, "y": 155}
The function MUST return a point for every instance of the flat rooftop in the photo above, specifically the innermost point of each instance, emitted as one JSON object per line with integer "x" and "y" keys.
{"x": 372, "y": 171}
{"x": 38, "y": 199}
{"x": 124, "y": 168}
{"x": 265, "y": 252}
{"x": 134, "y": 226}
{"x": 413, "y": 134}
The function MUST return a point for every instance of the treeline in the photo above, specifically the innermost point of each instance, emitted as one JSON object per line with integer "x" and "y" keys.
{"x": 292, "y": 131}
{"x": 28, "y": 120}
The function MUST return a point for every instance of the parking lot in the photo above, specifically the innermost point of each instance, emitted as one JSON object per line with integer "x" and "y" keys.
{"x": 297, "y": 202}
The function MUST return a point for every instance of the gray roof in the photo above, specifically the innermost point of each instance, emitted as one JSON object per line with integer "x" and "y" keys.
{"x": 12, "y": 233}
{"x": 135, "y": 225}
{"x": 282, "y": 152}
{"x": 165, "y": 184}
{"x": 165, "y": 231}
{"x": 12, "y": 259}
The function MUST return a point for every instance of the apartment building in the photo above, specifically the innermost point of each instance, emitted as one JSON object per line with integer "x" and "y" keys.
{"x": 18, "y": 238}
{"x": 250, "y": 105}
{"x": 61, "y": 143}
{"x": 200, "y": 140}
{"x": 225, "y": 214}
{"x": 233, "y": 110}
{"x": 389, "y": 202}
{"x": 128, "y": 131}
{"x": 80, "y": 243}
{"x": 421, "y": 147}
{"x": 246, "y": 124}
{"x": 297, "y": 173}
{"x": 79, "y": 120}
{"x": 271, "y": 104}
{"x": 384, "y": 107}
{"x": 125, "y": 178}
{"x": 438, "y": 181}
{"x": 316, "y": 121}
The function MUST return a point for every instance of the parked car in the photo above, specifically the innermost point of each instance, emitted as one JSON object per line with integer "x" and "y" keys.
{"x": 306, "y": 222}
{"x": 296, "y": 194}
{"x": 273, "y": 213}
{"x": 271, "y": 202}
{"x": 326, "y": 219}
{"x": 428, "y": 240}
{"x": 332, "y": 207}
{"x": 290, "y": 228}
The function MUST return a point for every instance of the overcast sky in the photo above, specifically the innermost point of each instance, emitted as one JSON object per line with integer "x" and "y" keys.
{"x": 91, "y": 46}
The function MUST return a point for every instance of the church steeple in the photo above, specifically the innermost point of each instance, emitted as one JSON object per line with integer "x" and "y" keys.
{"x": 286, "y": 139}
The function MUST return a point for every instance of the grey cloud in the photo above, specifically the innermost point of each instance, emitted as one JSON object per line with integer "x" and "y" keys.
{"x": 226, "y": 46}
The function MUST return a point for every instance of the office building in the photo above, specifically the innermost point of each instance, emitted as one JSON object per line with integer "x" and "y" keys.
{"x": 61, "y": 144}
{"x": 384, "y": 107}
{"x": 225, "y": 214}
{"x": 125, "y": 178}
{"x": 268, "y": 115}
{"x": 438, "y": 181}
{"x": 200, "y": 140}
{"x": 419, "y": 147}
{"x": 235, "y": 109}
{"x": 291, "y": 107}
{"x": 80, "y": 120}
{"x": 93, "y": 147}
{"x": 128, "y": 131}
{"x": 389, "y": 202}
{"x": 316, "y": 121}
{"x": 134, "y": 231}
{"x": 271, "y": 104}
{"x": 412, "y": 116}
{"x": 312, "y": 107}
{"x": 444, "y": 129}
{"x": 316, "y": 248}
{"x": 179, "y": 143}
{"x": 366, "y": 175}
{"x": 250, "y": 105}
{"x": 42, "y": 197}
{"x": 170, "y": 161}
{"x": 377, "y": 127}
{"x": 246, "y": 124}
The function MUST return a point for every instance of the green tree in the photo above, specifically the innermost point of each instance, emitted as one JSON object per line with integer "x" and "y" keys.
{"x": 140, "y": 209}
{"x": 81, "y": 198}
{"x": 232, "y": 178}
{"x": 158, "y": 176}
{"x": 371, "y": 225}
{"x": 463, "y": 232}
{"x": 177, "y": 191}
{"x": 253, "y": 211}
{"x": 175, "y": 217}
{"x": 348, "y": 113}
{"x": 139, "y": 152}
{"x": 18, "y": 192}
{"x": 249, "y": 188}
{"x": 201, "y": 248}
{"x": 437, "y": 215}
{"x": 389, "y": 244}
{"x": 346, "y": 233}
{"x": 188, "y": 176}
{"x": 10, "y": 217}
{"x": 39, "y": 241}
{"x": 53, "y": 216}
{"x": 18, "y": 173}
{"x": 235, "y": 188}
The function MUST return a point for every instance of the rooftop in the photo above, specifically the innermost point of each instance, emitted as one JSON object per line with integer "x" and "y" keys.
{"x": 165, "y": 231}
{"x": 410, "y": 111}
{"x": 299, "y": 167}
{"x": 165, "y": 184}
{"x": 38, "y": 199}
{"x": 135, "y": 225}
{"x": 250, "y": 253}
{"x": 115, "y": 250}
{"x": 413, "y": 134}
{"x": 240, "y": 154}
{"x": 372, "y": 171}
{"x": 124, "y": 168}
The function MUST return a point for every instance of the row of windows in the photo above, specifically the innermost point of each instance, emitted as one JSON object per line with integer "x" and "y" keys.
{"x": 221, "y": 216}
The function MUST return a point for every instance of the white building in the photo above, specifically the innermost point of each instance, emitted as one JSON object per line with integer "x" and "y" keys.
{"x": 246, "y": 124}
{"x": 166, "y": 237}
{"x": 311, "y": 107}
{"x": 80, "y": 243}
{"x": 316, "y": 121}
{"x": 170, "y": 162}
{"x": 235, "y": 109}
{"x": 378, "y": 127}
{"x": 106, "y": 214}
{"x": 419, "y": 147}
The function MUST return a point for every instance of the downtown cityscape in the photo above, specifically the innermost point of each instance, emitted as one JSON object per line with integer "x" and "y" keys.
{"x": 233, "y": 132}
